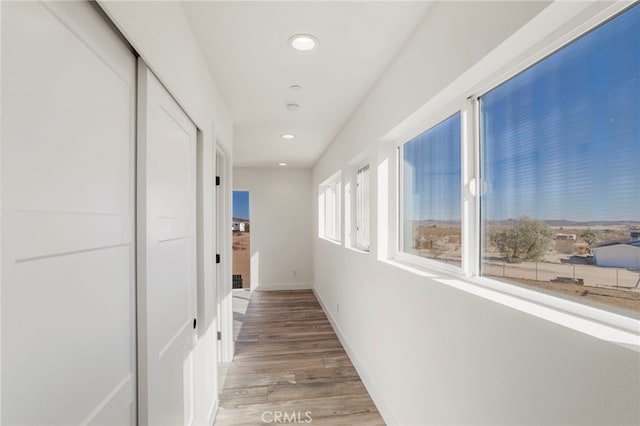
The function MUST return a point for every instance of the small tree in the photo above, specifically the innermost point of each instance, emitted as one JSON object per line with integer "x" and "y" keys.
{"x": 527, "y": 239}
{"x": 589, "y": 236}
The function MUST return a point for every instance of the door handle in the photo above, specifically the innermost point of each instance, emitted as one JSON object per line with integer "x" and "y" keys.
{"x": 194, "y": 323}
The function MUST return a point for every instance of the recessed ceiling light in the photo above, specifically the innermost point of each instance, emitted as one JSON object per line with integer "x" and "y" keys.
{"x": 303, "y": 42}
{"x": 295, "y": 87}
{"x": 293, "y": 107}
{"x": 287, "y": 136}
{"x": 282, "y": 164}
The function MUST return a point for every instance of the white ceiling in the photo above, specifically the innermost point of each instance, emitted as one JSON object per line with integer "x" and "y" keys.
{"x": 245, "y": 45}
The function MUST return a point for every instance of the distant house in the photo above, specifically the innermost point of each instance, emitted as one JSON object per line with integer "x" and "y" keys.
{"x": 566, "y": 237}
{"x": 240, "y": 226}
{"x": 618, "y": 254}
{"x": 634, "y": 235}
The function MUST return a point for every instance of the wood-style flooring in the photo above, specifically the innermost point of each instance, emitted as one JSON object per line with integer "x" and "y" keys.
{"x": 290, "y": 368}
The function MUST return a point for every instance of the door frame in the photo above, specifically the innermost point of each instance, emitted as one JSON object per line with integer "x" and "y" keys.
{"x": 224, "y": 304}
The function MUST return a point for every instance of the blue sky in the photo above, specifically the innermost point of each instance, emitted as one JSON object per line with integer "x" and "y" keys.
{"x": 432, "y": 181}
{"x": 562, "y": 139}
{"x": 241, "y": 204}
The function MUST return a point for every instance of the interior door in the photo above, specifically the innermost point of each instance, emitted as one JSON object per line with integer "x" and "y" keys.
{"x": 167, "y": 280}
{"x": 68, "y": 272}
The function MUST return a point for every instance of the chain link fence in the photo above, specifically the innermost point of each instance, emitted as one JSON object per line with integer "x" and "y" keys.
{"x": 589, "y": 275}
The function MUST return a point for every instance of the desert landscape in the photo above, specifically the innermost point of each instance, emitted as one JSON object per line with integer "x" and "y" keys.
{"x": 566, "y": 266}
{"x": 242, "y": 252}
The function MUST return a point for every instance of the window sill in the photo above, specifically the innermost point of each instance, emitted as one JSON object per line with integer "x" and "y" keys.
{"x": 597, "y": 322}
{"x": 336, "y": 242}
{"x": 358, "y": 250}
{"x": 428, "y": 264}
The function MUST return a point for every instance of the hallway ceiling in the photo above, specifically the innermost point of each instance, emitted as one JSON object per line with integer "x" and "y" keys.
{"x": 245, "y": 45}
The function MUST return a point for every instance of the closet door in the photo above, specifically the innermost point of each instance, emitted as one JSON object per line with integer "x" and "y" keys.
{"x": 166, "y": 255}
{"x": 67, "y": 216}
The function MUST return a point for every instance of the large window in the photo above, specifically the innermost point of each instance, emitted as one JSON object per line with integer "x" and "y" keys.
{"x": 431, "y": 193}
{"x": 560, "y": 167}
{"x": 329, "y": 208}
{"x": 362, "y": 209}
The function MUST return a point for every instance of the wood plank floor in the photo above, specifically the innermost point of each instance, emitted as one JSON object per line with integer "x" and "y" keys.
{"x": 289, "y": 360}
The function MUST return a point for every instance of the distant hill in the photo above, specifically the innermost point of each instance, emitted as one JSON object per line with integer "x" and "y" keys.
{"x": 591, "y": 223}
{"x": 437, "y": 223}
{"x": 556, "y": 223}
{"x": 570, "y": 223}
{"x": 240, "y": 220}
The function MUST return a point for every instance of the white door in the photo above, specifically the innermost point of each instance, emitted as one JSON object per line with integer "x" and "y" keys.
{"x": 67, "y": 190}
{"x": 166, "y": 255}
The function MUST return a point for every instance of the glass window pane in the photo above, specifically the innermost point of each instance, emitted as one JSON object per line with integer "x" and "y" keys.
{"x": 431, "y": 189}
{"x": 329, "y": 209}
{"x": 560, "y": 165}
{"x": 362, "y": 208}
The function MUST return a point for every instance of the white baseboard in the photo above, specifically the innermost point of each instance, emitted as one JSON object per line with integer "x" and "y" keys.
{"x": 283, "y": 286}
{"x": 214, "y": 411}
{"x": 376, "y": 396}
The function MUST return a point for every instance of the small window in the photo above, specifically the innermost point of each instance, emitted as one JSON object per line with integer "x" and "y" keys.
{"x": 329, "y": 208}
{"x": 431, "y": 193}
{"x": 362, "y": 209}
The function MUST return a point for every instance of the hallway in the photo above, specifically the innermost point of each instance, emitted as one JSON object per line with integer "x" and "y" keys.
{"x": 442, "y": 200}
{"x": 289, "y": 365}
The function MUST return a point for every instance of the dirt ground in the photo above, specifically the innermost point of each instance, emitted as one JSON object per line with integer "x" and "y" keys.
{"x": 564, "y": 261}
{"x": 242, "y": 257}
{"x": 625, "y": 299}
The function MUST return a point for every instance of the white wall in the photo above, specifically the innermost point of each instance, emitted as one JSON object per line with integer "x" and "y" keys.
{"x": 430, "y": 353}
{"x": 161, "y": 34}
{"x": 281, "y": 226}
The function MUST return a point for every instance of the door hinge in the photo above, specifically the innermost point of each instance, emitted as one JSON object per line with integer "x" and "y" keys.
{"x": 219, "y": 335}
{"x": 217, "y": 180}
{"x": 217, "y": 258}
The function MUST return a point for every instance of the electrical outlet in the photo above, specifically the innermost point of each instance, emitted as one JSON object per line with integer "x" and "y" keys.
{"x": 295, "y": 273}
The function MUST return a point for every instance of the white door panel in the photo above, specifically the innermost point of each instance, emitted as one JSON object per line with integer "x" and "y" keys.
{"x": 41, "y": 233}
{"x": 68, "y": 273}
{"x": 166, "y": 255}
